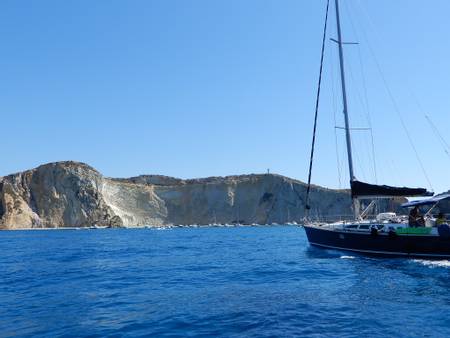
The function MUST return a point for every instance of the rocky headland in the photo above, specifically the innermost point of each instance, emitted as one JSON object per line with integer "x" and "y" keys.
{"x": 73, "y": 194}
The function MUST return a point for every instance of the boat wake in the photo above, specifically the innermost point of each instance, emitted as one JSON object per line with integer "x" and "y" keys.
{"x": 445, "y": 263}
{"x": 347, "y": 257}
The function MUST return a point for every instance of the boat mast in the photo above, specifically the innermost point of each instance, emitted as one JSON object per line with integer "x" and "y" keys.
{"x": 344, "y": 101}
{"x": 344, "y": 93}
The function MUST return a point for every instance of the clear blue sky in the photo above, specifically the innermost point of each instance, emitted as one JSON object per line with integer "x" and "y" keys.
{"x": 202, "y": 87}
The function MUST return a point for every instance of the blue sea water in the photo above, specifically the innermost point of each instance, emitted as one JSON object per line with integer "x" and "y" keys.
{"x": 219, "y": 282}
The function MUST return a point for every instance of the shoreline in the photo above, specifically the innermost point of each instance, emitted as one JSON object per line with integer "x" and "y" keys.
{"x": 159, "y": 227}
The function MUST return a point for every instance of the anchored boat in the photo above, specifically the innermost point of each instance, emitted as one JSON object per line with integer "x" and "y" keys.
{"x": 387, "y": 234}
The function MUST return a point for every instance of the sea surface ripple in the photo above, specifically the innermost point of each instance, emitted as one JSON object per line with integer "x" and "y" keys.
{"x": 217, "y": 282}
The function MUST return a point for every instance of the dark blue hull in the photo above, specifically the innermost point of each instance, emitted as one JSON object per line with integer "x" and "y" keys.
{"x": 380, "y": 244}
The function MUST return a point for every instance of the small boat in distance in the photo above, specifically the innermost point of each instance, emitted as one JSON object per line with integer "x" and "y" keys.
{"x": 387, "y": 234}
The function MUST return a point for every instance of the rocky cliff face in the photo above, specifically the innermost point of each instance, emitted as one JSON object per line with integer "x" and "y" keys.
{"x": 54, "y": 195}
{"x": 71, "y": 194}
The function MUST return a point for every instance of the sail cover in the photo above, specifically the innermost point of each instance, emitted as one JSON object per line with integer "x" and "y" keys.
{"x": 362, "y": 189}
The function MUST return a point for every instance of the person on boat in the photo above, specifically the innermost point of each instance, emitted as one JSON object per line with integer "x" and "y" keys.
{"x": 415, "y": 218}
{"x": 441, "y": 219}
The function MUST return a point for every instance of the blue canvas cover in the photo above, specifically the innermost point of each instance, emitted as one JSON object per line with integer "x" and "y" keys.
{"x": 427, "y": 201}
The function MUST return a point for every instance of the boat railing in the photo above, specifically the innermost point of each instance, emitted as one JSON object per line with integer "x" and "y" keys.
{"x": 333, "y": 218}
{"x": 349, "y": 218}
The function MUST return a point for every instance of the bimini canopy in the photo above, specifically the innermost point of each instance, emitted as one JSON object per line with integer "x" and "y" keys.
{"x": 427, "y": 201}
{"x": 363, "y": 190}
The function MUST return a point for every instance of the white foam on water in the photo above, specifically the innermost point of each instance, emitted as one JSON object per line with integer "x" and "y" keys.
{"x": 445, "y": 263}
{"x": 347, "y": 257}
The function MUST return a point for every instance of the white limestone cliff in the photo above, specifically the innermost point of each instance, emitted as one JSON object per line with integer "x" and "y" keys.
{"x": 72, "y": 194}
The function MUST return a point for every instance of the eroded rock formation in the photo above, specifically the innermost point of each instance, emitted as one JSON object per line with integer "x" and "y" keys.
{"x": 72, "y": 194}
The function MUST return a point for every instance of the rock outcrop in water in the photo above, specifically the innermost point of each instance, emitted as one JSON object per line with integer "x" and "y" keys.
{"x": 72, "y": 194}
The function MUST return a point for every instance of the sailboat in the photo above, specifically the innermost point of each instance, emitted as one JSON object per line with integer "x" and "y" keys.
{"x": 387, "y": 234}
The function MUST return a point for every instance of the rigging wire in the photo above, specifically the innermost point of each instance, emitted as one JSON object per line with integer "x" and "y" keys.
{"x": 335, "y": 120}
{"x": 369, "y": 119}
{"x": 358, "y": 158}
{"x": 361, "y": 167}
{"x": 396, "y": 108}
{"x": 307, "y": 207}
{"x": 366, "y": 97}
{"x": 439, "y": 136}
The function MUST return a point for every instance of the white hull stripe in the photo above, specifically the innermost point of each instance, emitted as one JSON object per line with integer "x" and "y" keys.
{"x": 380, "y": 252}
